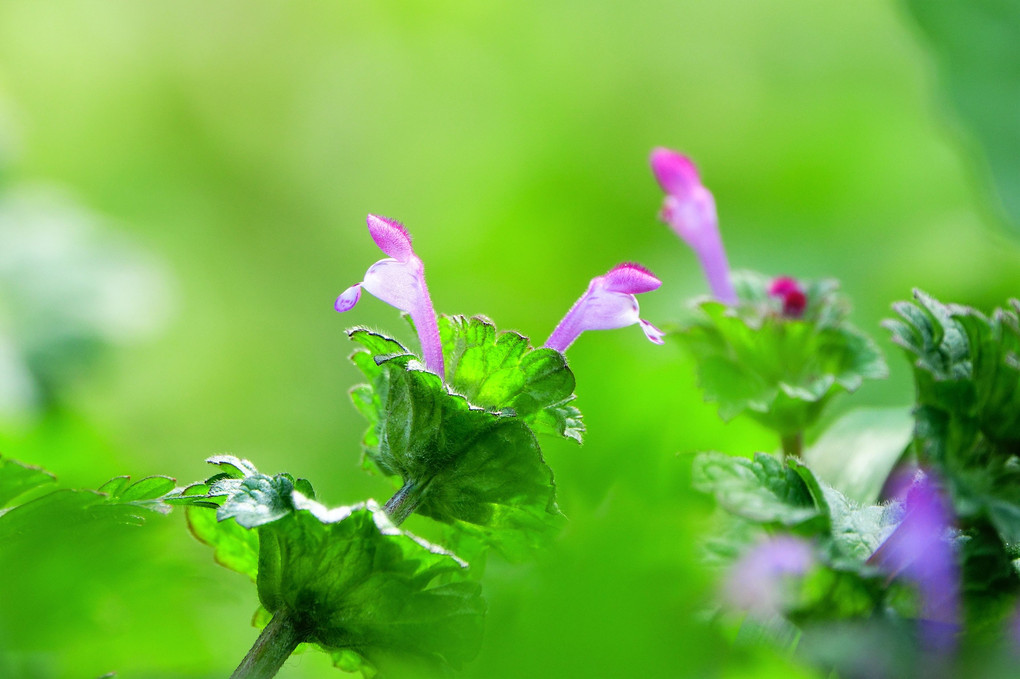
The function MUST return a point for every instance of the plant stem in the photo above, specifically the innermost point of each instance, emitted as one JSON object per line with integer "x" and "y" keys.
{"x": 404, "y": 502}
{"x": 792, "y": 445}
{"x": 277, "y": 641}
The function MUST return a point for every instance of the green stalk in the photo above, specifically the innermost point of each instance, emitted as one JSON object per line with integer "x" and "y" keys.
{"x": 404, "y": 502}
{"x": 277, "y": 641}
{"x": 793, "y": 445}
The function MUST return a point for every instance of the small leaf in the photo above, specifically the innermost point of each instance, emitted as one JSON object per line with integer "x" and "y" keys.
{"x": 763, "y": 490}
{"x": 501, "y": 371}
{"x": 16, "y": 479}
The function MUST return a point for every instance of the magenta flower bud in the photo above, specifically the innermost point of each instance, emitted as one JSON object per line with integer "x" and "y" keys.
{"x": 756, "y": 582}
{"x": 608, "y": 303}
{"x": 919, "y": 550}
{"x": 689, "y": 209}
{"x": 400, "y": 281}
{"x": 790, "y": 292}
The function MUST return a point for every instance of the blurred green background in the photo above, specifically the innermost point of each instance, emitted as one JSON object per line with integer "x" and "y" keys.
{"x": 241, "y": 144}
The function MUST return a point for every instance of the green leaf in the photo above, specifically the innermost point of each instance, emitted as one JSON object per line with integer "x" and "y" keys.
{"x": 780, "y": 371}
{"x": 479, "y": 469}
{"x": 16, "y": 479}
{"x": 858, "y": 451}
{"x": 763, "y": 490}
{"x": 977, "y": 59}
{"x": 370, "y": 592}
{"x": 500, "y": 371}
{"x": 366, "y": 592}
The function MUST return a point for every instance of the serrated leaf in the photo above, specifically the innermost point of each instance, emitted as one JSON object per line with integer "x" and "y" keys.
{"x": 364, "y": 587}
{"x": 763, "y": 490}
{"x": 16, "y": 479}
{"x": 366, "y": 592}
{"x": 257, "y": 500}
{"x": 500, "y": 371}
{"x": 463, "y": 464}
{"x": 780, "y": 371}
{"x": 856, "y": 453}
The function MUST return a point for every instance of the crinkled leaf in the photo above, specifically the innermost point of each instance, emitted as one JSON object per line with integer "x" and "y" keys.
{"x": 781, "y": 371}
{"x": 858, "y": 451}
{"x": 16, "y": 479}
{"x": 501, "y": 370}
{"x": 464, "y": 464}
{"x": 763, "y": 490}
{"x": 366, "y": 592}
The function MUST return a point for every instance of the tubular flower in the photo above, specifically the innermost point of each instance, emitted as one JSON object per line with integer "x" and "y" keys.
{"x": 608, "y": 303}
{"x": 399, "y": 281}
{"x": 689, "y": 209}
{"x": 792, "y": 295}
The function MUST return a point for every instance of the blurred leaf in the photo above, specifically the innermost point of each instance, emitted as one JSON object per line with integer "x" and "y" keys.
{"x": 366, "y": 592}
{"x": 977, "y": 51}
{"x": 763, "y": 490}
{"x": 781, "y": 371}
{"x": 459, "y": 464}
{"x": 501, "y": 370}
{"x": 858, "y": 451}
{"x": 17, "y": 479}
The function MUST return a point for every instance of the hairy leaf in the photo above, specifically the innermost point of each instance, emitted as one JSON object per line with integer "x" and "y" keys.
{"x": 779, "y": 370}
{"x": 462, "y": 464}
{"x": 366, "y": 592}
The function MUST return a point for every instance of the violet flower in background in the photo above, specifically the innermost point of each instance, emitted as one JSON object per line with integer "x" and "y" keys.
{"x": 608, "y": 303}
{"x": 689, "y": 209}
{"x": 756, "y": 583}
{"x": 919, "y": 551}
{"x": 792, "y": 295}
{"x": 400, "y": 281}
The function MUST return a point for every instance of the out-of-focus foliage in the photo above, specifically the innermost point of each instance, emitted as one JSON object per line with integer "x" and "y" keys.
{"x": 782, "y": 371}
{"x": 977, "y": 52}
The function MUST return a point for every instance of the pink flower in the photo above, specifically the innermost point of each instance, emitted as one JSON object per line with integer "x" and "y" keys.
{"x": 689, "y": 209}
{"x": 792, "y": 295}
{"x": 399, "y": 281}
{"x": 758, "y": 582}
{"x": 608, "y": 303}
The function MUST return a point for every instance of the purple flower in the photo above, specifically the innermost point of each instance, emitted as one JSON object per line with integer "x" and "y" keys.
{"x": 608, "y": 303}
{"x": 792, "y": 295}
{"x": 919, "y": 551}
{"x": 690, "y": 210}
{"x": 756, "y": 583}
{"x": 399, "y": 281}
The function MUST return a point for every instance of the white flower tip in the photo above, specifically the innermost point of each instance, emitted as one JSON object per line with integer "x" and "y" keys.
{"x": 652, "y": 333}
{"x": 391, "y": 237}
{"x": 348, "y": 298}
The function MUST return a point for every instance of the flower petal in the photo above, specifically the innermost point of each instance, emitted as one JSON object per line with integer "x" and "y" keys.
{"x": 630, "y": 278}
{"x": 348, "y": 298}
{"x": 397, "y": 283}
{"x": 675, "y": 172}
{"x": 391, "y": 237}
{"x": 651, "y": 332}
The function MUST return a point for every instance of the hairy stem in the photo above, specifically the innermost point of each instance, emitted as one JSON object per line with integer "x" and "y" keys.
{"x": 793, "y": 444}
{"x": 404, "y": 502}
{"x": 277, "y": 641}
